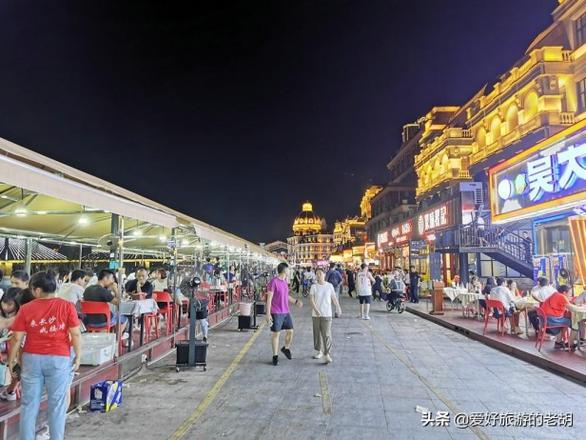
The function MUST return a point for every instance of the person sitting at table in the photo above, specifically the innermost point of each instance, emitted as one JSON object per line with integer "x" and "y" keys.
{"x": 72, "y": 291}
{"x": 557, "y": 308}
{"x": 512, "y": 286}
{"x": 160, "y": 282}
{"x": 140, "y": 284}
{"x": 505, "y": 297}
{"x": 540, "y": 293}
{"x": 106, "y": 290}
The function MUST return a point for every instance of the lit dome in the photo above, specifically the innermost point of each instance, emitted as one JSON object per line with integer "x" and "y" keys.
{"x": 307, "y": 222}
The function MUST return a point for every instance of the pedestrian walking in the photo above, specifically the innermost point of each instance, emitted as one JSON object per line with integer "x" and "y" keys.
{"x": 364, "y": 282}
{"x": 323, "y": 297}
{"x": 335, "y": 279}
{"x": 51, "y": 327}
{"x": 278, "y": 314}
{"x": 351, "y": 284}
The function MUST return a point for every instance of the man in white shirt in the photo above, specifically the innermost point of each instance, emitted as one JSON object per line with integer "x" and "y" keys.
{"x": 73, "y": 290}
{"x": 542, "y": 290}
{"x": 502, "y": 294}
{"x": 322, "y": 295}
{"x": 364, "y": 282}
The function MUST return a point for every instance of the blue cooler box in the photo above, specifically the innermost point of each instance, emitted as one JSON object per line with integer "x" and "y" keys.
{"x": 106, "y": 396}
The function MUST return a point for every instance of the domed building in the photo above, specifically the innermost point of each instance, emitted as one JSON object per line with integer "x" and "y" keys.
{"x": 310, "y": 244}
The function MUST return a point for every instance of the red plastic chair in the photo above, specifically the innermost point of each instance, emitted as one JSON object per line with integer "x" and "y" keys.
{"x": 151, "y": 320}
{"x": 492, "y": 304}
{"x": 166, "y": 308}
{"x": 97, "y": 308}
{"x": 544, "y": 326}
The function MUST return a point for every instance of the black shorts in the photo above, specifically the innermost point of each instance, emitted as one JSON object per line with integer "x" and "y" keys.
{"x": 281, "y": 321}
{"x": 365, "y": 299}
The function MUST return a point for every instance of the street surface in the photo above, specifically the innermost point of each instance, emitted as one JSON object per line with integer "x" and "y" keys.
{"x": 386, "y": 374}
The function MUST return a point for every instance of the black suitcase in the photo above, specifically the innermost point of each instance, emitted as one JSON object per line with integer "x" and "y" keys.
{"x": 260, "y": 308}
{"x": 244, "y": 322}
{"x": 201, "y": 351}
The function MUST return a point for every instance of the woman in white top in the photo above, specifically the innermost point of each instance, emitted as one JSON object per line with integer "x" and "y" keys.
{"x": 322, "y": 295}
{"x": 505, "y": 297}
{"x": 160, "y": 283}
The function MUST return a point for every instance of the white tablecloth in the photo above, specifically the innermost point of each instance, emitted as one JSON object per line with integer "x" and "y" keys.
{"x": 578, "y": 316}
{"x": 138, "y": 307}
{"x": 452, "y": 292}
{"x": 469, "y": 297}
{"x": 525, "y": 303}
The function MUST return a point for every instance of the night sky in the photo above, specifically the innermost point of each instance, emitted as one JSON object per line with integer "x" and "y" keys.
{"x": 237, "y": 112}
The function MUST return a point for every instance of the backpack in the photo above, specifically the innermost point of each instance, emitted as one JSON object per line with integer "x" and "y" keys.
{"x": 334, "y": 278}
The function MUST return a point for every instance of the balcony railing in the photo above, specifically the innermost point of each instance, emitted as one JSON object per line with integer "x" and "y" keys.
{"x": 567, "y": 118}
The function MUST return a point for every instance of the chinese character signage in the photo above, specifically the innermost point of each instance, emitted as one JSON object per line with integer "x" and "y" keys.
{"x": 396, "y": 235}
{"x": 548, "y": 177}
{"x": 435, "y": 218}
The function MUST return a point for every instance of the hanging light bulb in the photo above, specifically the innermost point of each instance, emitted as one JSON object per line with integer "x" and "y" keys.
{"x": 83, "y": 220}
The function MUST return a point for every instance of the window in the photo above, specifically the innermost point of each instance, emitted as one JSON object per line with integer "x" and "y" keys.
{"x": 581, "y": 30}
{"x": 581, "y": 90}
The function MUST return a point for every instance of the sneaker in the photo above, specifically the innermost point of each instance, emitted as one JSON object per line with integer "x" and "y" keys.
{"x": 43, "y": 435}
{"x": 336, "y": 315}
{"x": 367, "y": 318}
{"x": 275, "y": 360}
{"x": 286, "y": 352}
{"x": 328, "y": 359}
{"x": 318, "y": 355}
{"x": 5, "y": 395}
{"x": 205, "y": 339}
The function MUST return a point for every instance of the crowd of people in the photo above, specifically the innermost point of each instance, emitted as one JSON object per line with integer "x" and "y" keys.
{"x": 555, "y": 303}
{"x": 41, "y": 321}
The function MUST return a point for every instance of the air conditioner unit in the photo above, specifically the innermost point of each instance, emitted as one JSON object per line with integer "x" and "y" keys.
{"x": 475, "y": 188}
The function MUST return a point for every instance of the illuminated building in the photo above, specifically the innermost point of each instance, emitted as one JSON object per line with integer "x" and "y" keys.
{"x": 310, "y": 244}
{"x": 397, "y": 199}
{"x": 365, "y": 202}
{"x": 538, "y": 103}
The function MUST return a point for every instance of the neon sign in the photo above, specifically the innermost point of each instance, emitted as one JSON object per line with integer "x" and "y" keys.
{"x": 548, "y": 177}
{"x": 433, "y": 219}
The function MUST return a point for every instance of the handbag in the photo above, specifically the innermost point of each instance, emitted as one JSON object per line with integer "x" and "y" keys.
{"x": 5, "y": 376}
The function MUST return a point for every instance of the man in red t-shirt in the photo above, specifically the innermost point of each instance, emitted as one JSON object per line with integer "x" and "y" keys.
{"x": 555, "y": 308}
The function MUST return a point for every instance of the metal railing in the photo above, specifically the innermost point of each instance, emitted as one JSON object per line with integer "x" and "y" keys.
{"x": 496, "y": 238}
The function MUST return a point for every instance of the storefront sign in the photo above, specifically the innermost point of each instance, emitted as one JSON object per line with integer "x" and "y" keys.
{"x": 550, "y": 176}
{"x": 382, "y": 239}
{"x": 396, "y": 235}
{"x": 433, "y": 219}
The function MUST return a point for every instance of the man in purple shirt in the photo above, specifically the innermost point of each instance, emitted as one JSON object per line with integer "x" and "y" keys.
{"x": 278, "y": 316}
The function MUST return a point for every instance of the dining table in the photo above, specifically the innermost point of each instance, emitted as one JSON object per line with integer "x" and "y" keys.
{"x": 137, "y": 309}
{"x": 578, "y": 322}
{"x": 526, "y": 304}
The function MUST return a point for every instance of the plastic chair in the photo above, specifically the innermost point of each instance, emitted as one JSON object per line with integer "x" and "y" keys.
{"x": 492, "y": 304}
{"x": 151, "y": 320}
{"x": 166, "y": 308}
{"x": 97, "y": 308}
{"x": 544, "y": 326}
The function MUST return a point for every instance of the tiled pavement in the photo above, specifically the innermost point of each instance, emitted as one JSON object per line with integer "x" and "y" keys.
{"x": 382, "y": 370}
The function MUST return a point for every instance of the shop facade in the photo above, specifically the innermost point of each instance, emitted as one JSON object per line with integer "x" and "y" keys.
{"x": 545, "y": 186}
{"x": 414, "y": 242}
